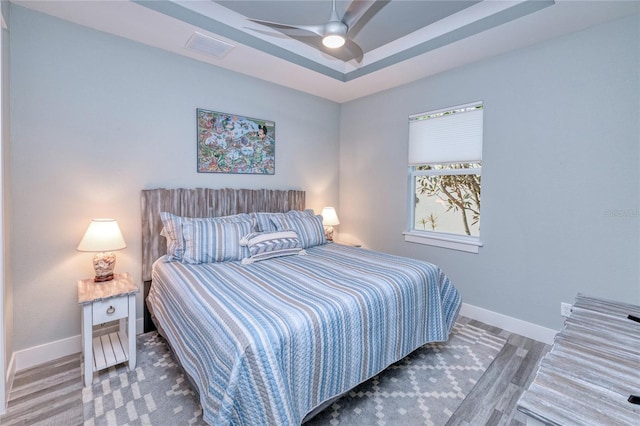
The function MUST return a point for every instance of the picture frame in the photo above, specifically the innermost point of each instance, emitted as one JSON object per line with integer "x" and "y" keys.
{"x": 231, "y": 143}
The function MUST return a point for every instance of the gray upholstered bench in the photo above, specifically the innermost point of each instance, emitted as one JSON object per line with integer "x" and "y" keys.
{"x": 592, "y": 369}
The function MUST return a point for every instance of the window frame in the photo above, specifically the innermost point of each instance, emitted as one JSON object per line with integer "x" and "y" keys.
{"x": 467, "y": 243}
{"x": 460, "y": 242}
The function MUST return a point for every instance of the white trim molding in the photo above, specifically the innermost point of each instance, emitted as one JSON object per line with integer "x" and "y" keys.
{"x": 30, "y": 357}
{"x": 514, "y": 325}
{"x": 37, "y": 355}
{"x": 450, "y": 241}
{"x": 8, "y": 383}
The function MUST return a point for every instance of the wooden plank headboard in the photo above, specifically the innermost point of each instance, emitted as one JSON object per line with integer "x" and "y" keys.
{"x": 204, "y": 202}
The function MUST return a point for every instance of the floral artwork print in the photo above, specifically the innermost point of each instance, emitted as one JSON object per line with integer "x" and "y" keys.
{"x": 229, "y": 143}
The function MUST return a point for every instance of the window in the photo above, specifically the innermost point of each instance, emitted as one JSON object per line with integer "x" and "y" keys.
{"x": 445, "y": 175}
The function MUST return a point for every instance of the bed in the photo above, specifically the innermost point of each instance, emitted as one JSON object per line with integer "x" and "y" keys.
{"x": 268, "y": 337}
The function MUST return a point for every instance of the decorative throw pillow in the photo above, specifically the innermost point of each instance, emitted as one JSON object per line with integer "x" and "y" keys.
{"x": 309, "y": 229}
{"x": 267, "y": 245}
{"x": 173, "y": 229}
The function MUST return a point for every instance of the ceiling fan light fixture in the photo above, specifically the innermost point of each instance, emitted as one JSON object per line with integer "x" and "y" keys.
{"x": 333, "y": 41}
{"x": 335, "y": 32}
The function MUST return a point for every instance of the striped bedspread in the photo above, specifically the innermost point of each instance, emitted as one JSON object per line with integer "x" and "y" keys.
{"x": 267, "y": 342}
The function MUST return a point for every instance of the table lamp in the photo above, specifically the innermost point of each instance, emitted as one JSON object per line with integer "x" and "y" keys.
{"x": 103, "y": 236}
{"x": 329, "y": 220}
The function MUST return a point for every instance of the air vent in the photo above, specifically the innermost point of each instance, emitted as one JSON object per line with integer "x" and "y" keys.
{"x": 208, "y": 45}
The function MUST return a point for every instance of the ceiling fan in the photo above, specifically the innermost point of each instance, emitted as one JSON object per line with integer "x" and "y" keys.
{"x": 336, "y": 32}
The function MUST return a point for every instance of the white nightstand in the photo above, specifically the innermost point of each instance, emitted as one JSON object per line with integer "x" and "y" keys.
{"x": 104, "y": 302}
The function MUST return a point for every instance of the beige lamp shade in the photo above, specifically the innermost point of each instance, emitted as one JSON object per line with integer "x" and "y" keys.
{"x": 330, "y": 217}
{"x": 103, "y": 236}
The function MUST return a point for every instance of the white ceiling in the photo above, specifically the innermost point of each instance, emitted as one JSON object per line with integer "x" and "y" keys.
{"x": 408, "y": 39}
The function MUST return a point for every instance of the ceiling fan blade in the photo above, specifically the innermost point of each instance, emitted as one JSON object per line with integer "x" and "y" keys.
{"x": 297, "y": 30}
{"x": 360, "y": 12}
{"x": 354, "y": 49}
{"x": 356, "y": 16}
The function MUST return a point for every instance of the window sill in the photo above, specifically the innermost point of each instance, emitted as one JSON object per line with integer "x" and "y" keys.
{"x": 450, "y": 241}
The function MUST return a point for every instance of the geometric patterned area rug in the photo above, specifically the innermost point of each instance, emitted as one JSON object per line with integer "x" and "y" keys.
{"x": 155, "y": 393}
{"x": 424, "y": 388}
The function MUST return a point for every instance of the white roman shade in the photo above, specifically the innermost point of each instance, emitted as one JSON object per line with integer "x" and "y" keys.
{"x": 450, "y": 135}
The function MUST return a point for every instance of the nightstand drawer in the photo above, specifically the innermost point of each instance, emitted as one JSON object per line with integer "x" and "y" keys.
{"x": 110, "y": 309}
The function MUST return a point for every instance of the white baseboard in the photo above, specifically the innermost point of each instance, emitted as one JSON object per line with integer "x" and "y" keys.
{"x": 11, "y": 370}
{"x": 40, "y": 354}
{"x": 37, "y": 355}
{"x": 514, "y": 325}
{"x": 8, "y": 383}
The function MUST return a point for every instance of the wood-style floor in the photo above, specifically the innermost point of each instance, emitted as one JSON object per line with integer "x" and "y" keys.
{"x": 51, "y": 394}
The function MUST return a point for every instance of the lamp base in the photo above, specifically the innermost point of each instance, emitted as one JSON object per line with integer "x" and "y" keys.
{"x": 103, "y": 264}
{"x": 328, "y": 233}
{"x": 98, "y": 279}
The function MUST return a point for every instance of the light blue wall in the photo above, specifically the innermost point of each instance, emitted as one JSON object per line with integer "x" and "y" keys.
{"x": 560, "y": 172}
{"x": 6, "y": 285}
{"x": 94, "y": 120}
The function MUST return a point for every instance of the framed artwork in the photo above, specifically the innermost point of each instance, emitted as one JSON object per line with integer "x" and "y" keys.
{"x": 229, "y": 143}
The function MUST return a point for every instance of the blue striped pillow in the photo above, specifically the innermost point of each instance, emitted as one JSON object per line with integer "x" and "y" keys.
{"x": 309, "y": 229}
{"x": 267, "y": 245}
{"x": 172, "y": 231}
{"x": 263, "y": 222}
{"x": 211, "y": 241}
{"x": 173, "y": 224}
{"x": 301, "y": 213}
